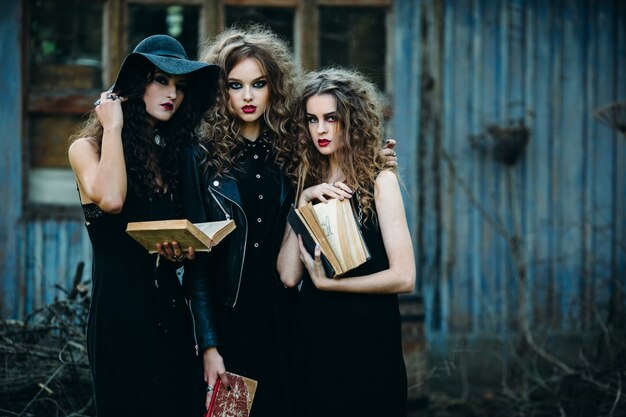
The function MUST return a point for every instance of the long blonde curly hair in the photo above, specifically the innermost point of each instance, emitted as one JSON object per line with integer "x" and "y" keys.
{"x": 219, "y": 132}
{"x": 359, "y": 116}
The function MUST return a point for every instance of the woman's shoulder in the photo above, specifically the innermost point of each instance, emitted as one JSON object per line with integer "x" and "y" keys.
{"x": 82, "y": 145}
{"x": 385, "y": 177}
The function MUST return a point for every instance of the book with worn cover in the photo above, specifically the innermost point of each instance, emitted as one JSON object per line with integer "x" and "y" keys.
{"x": 332, "y": 225}
{"x": 233, "y": 402}
{"x": 200, "y": 236}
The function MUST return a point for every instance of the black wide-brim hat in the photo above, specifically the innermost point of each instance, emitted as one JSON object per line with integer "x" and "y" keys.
{"x": 168, "y": 55}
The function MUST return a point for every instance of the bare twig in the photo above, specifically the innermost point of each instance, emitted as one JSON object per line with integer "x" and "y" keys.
{"x": 618, "y": 395}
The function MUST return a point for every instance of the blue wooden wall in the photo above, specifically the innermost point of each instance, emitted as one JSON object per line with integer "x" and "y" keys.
{"x": 457, "y": 67}
{"x": 546, "y": 236}
{"x": 51, "y": 250}
{"x": 11, "y": 155}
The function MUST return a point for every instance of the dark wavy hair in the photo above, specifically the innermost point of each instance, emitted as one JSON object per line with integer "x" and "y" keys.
{"x": 146, "y": 160}
{"x": 219, "y": 132}
{"x": 360, "y": 122}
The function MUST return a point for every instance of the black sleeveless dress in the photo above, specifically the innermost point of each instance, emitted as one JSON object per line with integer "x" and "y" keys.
{"x": 139, "y": 334}
{"x": 351, "y": 347}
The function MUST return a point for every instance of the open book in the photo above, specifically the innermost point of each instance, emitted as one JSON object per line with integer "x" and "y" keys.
{"x": 334, "y": 227}
{"x": 235, "y": 401}
{"x": 200, "y": 236}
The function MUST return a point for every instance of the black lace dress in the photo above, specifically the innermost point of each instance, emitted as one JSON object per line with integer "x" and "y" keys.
{"x": 351, "y": 361}
{"x": 139, "y": 335}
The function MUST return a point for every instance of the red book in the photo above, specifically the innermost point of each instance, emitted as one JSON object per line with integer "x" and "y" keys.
{"x": 233, "y": 402}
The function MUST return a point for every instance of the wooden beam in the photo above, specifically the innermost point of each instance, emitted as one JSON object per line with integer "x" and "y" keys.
{"x": 354, "y": 3}
{"x": 113, "y": 40}
{"x": 306, "y": 34}
{"x": 168, "y": 2}
{"x": 211, "y": 20}
{"x": 262, "y": 3}
{"x": 61, "y": 103}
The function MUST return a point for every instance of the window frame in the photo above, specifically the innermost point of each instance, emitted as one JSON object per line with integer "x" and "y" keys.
{"x": 114, "y": 41}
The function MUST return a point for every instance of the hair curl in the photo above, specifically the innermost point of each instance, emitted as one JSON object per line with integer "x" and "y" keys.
{"x": 147, "y": 162}
{"x": 359, "y": 115}
{"x": 219, "y": 132}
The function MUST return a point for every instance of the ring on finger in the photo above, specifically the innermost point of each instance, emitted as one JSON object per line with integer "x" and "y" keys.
{"x": 209, "y": 389}
{"x": 96, "y": 103}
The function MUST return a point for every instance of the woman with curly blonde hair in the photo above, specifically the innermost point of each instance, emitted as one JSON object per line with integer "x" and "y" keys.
{"x": 350, "y": 326}
{"x": 227, "y": 127}
{"x": 243, "y": 313}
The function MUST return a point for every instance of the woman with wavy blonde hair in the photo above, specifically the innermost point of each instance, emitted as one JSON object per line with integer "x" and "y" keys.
{"x": 243, "y": 313}
{"x": 226, "y": 127}
{"x": 350, "y": 326}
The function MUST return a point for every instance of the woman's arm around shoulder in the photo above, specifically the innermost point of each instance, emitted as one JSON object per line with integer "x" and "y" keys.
{"x": 400, "y": 276}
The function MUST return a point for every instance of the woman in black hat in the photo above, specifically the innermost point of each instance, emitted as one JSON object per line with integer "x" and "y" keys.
{"x": 125, "y": 159}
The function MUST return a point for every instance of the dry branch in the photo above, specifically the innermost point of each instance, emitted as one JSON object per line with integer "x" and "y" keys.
{"x": 44, "y": 367}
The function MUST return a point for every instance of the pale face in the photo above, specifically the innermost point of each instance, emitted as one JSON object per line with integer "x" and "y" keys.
{"x": 323, "y": 125}
{"x": 248, "y": 92}
{"x": 164, "y": 95}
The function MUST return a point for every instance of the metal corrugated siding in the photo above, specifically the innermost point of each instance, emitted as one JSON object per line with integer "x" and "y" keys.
{"x": 549, "y": 65}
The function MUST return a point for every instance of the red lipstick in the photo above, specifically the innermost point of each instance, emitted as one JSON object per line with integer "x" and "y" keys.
{"x": 168, "y": 106}
{"x": 323, "y": 142}
{"x": 248, "y": 109}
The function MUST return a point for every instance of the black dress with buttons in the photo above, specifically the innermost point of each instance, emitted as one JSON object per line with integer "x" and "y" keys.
{"x": 256, "y": 333}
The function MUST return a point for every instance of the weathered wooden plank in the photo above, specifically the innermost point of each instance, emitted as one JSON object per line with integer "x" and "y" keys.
{"x": 264, "y": 3}
{"x": 530, "y": 175}
{"x": 354, "y": 3}
{"x": 599, "y": 165}
{"x": 11, "y": 162}
{"x": 422, "y": 169}
{"x": 448, "y": 185}
{"x": 540, "y": 257}
{"x": 515, "y": 190}
{"x": 487, "y": 100}
{"x": 570, "y": 155}
{"x": 461, "y": 317}
{"x": 475, "y": 263}
{"x": 619, "y": 229}
{"x": 405, "y": 126}
{"x": 62, "y": 103}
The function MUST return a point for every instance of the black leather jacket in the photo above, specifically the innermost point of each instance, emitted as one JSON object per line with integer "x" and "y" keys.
{"x": 215, "y": 277}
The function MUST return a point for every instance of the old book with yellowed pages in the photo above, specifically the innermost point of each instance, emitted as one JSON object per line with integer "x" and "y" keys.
{"x": 332, "y": 225}
{"x": 200, "y": 236}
